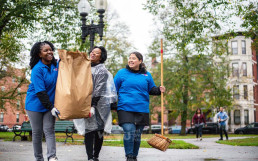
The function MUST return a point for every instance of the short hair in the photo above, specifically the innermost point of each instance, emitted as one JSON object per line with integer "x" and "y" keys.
{"x": 103, "y": 57}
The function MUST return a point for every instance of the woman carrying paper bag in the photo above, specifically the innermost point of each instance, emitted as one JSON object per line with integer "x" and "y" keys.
{"x": 104, "y": 94}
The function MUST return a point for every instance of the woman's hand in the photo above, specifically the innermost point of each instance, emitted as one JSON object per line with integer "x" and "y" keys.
{"x": 162, "y": 89}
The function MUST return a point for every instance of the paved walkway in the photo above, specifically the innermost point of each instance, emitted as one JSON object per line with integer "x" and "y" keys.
{"x": 209, "y": 150}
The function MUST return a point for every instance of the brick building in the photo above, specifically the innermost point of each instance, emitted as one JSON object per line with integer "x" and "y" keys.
{"x": 12, "y": 111}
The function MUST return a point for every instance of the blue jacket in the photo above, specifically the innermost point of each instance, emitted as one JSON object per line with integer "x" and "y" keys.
{"x": 43, "y": 78}
{"x": 133, "y": 90}
{"x": 223, "y": 116}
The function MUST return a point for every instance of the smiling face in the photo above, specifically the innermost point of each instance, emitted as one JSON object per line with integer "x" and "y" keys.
{"x": 46, "y": 54}
{"x": 95, "y": 56}
{"x": 134, "y": 62}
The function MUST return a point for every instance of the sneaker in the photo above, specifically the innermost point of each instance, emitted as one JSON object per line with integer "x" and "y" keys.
{"x": 53, "y": 159}
{"x": 201, "y": 139}
{"x": 135, "y": 158}
{"x": 220, "y": 139}
{"x": 129, "y": 158}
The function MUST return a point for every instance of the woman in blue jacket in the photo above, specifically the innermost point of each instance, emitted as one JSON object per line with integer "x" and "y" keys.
{"x": 40, "y": 97}
{"x": 134, "y": 85}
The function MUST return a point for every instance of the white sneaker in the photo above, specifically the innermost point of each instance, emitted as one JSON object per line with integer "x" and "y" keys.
{"x": 53, "y": 159}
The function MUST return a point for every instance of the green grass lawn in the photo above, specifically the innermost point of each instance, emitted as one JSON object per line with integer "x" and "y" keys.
{"x": 116, "y": 139}
{"x": 241, "y": 142}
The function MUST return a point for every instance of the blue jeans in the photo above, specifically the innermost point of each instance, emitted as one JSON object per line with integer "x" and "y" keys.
{"x": 198, "y": 129}
{"x": 132, "y": 138}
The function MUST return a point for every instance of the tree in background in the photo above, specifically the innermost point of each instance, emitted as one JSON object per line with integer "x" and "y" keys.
{"x": 189, "y": 71}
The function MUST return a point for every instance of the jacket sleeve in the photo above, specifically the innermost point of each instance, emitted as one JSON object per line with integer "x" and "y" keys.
{"x": 155, "y": 91}
{"x": 193, "y": 118}
{"x": 44, "y": 99}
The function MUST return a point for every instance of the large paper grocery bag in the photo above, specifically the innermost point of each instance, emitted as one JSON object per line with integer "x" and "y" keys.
{"x": 74, "y": 85}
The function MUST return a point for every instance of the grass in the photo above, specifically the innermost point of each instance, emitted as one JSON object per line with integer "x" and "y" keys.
{"x": 116, "y": 139}
{"x": 241, "y": 142}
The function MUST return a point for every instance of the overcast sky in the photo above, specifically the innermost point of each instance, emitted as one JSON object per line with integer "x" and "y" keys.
{"x": 138, "y": 20}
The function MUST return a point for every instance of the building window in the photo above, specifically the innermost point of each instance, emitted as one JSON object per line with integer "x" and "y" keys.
{"x": 3, "y": 88}
{"x": 246, "y": 114}
{"x": 245, "y": 92}
{"x": 234, "y": 47}
{"x": 229, "y": 116}
{"x": 207, "y": 97}
{"x": 17, "y": 118}
{"x": 244, "y": 69}
{"x": 19, "y": 90}
{"x": 236, "y": 92}
{"x": 13, "y": 79}
{"x": 243, "y": 47}
{"x": 235, "y": 70}
{"x": 159, "y": 117}
{"x": 237, "y": 117}
{"x": 1, "y": 117}
{"x": 18, "y": 105}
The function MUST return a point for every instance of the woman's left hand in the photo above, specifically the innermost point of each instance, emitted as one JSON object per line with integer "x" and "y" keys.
{"x": 162, "y": 89}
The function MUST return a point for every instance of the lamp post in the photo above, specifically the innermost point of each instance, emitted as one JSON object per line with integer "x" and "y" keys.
{"x": 92, "y": 29}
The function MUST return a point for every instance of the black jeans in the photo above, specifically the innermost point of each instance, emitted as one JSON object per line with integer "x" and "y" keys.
{"x": 223, "y": 128}
{"x": 198, "y": 130}
{"x": 93, "y": 141}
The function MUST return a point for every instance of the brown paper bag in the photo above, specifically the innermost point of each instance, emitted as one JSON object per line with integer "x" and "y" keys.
{"x": 74, "y": 85}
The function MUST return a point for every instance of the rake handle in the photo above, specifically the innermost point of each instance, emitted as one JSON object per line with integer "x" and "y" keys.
{"x": 161, "y": 76}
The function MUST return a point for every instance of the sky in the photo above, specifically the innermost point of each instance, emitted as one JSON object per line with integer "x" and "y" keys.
{"x": 138, "y": 20}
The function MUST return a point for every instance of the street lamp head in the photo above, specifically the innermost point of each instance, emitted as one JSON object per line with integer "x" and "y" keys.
{"x": 101, "y": 4}
{"x": 84, "y": 6}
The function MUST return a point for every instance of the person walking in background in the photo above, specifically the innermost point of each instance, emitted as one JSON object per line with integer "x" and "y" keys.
{"x": 40, "y": 97}
{"x": 104, "y": 94}
{"x": 134, "y": 85}
{"x": 222, "y": 118}
{"x": 198, "y": 120}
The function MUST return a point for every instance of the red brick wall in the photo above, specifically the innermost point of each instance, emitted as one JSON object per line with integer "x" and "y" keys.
{"x": 11, "y": 107}
{"x": 255, "y": 66}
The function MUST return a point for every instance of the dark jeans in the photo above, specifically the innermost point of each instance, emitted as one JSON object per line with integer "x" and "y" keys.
{"x": 132, "y": 138}
{"x": 223, "y": 128}
{"x": 93, "y": 141}
{"x": 198, "y": 130}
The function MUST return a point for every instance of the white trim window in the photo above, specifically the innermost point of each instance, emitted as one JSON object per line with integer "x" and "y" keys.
{"x": 234, "y": 47}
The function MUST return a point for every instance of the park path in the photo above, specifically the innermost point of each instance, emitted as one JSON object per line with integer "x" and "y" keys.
{"x": 209, "y": 150}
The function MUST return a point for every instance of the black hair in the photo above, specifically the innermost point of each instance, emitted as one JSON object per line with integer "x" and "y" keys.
{"x": 140, "y": 57}
{"x": 103, "y": 57}
{"x": 35, "y": 51}
{"x": 197, "y": 111}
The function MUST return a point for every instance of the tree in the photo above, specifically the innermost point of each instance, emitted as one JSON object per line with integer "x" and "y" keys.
{"x": 20, "y": 19}
{"x": 189, "y": 71}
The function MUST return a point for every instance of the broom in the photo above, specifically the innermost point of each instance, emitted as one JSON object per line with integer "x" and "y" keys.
{"x": 159, "y": 141}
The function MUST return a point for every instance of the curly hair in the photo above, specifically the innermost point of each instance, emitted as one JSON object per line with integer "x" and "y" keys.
{"x": 103, "y": 53}
{"x": 35, "y": 51}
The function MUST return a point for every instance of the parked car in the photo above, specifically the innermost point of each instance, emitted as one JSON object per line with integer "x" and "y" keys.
{"x": 211, "y": 128}
{"x": 154, "y": 129}
{"x": 248, "y": 129}
{"x": 4, "y": 128}
{"x": 17, "y": 127}
{"x": 176, "y": 129}
{"x": 116, "y": 129}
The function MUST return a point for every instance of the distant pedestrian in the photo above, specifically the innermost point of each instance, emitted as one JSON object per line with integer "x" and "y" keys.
{"x": 198, "y": 120}
{"x": 40, "y": 97}
{"x": 134, "y": 84}
{"x": 222, "y": 118}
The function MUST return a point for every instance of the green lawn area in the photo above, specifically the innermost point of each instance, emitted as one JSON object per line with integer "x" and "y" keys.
{"x": 241, "y": 142}
{"x": 116, "y": 139}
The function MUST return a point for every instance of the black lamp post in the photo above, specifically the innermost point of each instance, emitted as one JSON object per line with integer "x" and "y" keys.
{"x": 92, "y": 29}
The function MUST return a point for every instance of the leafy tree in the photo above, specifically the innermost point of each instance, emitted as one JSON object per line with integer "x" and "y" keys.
{"x": 189, "y": 71}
